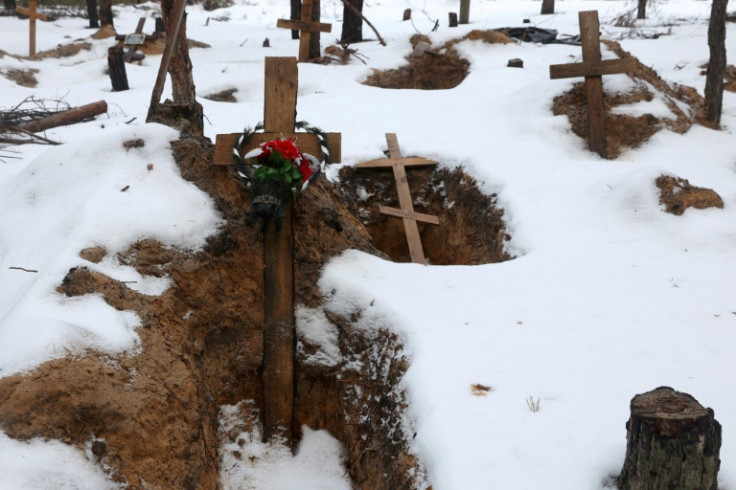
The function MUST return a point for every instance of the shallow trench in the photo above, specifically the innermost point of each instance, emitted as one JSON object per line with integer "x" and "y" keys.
{"x": 151, "y": 417}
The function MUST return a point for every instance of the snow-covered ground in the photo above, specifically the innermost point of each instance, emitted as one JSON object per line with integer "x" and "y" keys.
{"x": 608, "y": 297}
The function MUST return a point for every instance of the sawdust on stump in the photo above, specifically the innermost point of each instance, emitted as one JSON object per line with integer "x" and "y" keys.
{"x": 24, "y": 78}
{"x": 625, "y": 131}
{"x": 678, "y": 195}
{"x": 151, "y": 416}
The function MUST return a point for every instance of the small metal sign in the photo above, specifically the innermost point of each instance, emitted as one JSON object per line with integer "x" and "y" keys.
{"x": 135, "y": 39}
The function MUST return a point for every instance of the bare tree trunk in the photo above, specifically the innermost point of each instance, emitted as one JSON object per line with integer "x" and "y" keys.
{"x": 642, "y": 10}
{"x": 314, "y": 51}
{"x": 352, "y": 25}
{"x": 296, "y": 14}
{"x": 184, "y": 104}
{"x": 717, "y": 63}
{"x": 106, "y": 13}
{"x": 9, "y": 5}
{"x": 92, "y": 12}
{"x": 548, "y": 7}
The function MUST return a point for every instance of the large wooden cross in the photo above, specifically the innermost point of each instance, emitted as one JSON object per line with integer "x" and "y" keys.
{"x": 32, "y": 16}
{"x": 406, "y": 212}
{"x": 279, "y": 116}
{"x": 592, "y": 68}
{"x": 306, "y": 26}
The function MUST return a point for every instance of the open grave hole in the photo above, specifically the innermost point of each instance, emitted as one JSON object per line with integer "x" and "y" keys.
{"x": 151, "y": 416}
{"x": 434, "y": 68}
{"x": 624, "y": 131}
{"x": 471, "y": 230}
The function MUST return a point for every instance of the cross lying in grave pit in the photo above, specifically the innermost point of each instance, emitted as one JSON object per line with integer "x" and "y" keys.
{"x": 407, "y": 213}
{"x": 32, "y": 15}
{"x": 592, "y": 68}
{"x": 133, "y": 41}
{"x": 306, "y": 26}
{"x": 279, "y": 116}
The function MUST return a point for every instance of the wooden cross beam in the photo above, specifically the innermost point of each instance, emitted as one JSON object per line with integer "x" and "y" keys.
{"x": 32, "y": 16}
{"x": 279, "y": 116}
{"x": 133, "y": 41}
{"x": 592, "y": 68}
{"x": 306, "y": 26}
{"x": 406, "y": 212}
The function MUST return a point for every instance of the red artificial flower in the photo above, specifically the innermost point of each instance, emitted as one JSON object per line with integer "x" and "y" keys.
{"x": 305, "y": 169}
{"x": 287, "y": 148}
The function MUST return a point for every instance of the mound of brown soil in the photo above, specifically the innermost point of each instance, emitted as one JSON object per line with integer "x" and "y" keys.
{"x": 24, "y": 78}
{"x": 64, "y": 50}
{"x": 223, "y": 95}
{"x": 677, "y": 195}
{"x": 624, "y": 131}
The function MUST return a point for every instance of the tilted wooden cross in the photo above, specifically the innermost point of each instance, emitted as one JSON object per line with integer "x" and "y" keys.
{"x": 407, "y": 213}
{"x": 279, "y": 116}
{"x": 306, "y": 26}
{"x": 32, "y": 16}
{"x": 592, "y": 68}
{"x": 133, "y": 41}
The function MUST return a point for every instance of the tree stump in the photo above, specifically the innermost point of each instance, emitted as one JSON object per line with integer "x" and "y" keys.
{"x": 116, "y": 66}
{"x": 453, "y": 19}
{"x": 673, "y": 442}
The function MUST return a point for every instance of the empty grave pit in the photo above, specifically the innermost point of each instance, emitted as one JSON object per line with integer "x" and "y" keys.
{"x": 433, "y": 68}
{"x": 471, "y": 228}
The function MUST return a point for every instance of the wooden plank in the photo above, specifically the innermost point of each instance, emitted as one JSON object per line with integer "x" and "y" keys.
{"x": 307, "y": 143}
{"x": 589, "y": 32}
{"x": 389, "y": 162}
{"x": 591, "y": 68}
{"x": 280, "y": 94}
{"x": 400, "y": 213}
{"x": 300, "y": 25}
{"x": 278, "y": 331}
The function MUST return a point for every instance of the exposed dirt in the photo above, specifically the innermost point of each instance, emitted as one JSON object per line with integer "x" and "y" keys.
{"x": 625, "y": 131}
{"x": 64, "y": 50}
{"x": 24, "y": 78}
{"x": 152, "y": 416}
{"x": 223, "y": 95}
{"x": 471, "y": 229}
{"x": 678, "y": 195}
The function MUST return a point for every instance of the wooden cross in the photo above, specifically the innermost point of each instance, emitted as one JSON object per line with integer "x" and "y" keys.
{"x": 133, "y": 41}
{"x": 306, "y": 26}
{"x": 279, "y": 116}
{"x": 407, "y": 213}
{"x": 32, "y": 16}
{"x": 592, "y": 68}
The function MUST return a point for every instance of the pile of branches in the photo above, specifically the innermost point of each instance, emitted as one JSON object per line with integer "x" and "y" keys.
{"x": 15, "y": 122}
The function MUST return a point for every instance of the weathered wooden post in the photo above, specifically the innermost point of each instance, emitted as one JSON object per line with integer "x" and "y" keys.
{"x": 452, "y": 19}
{"x": 32, "y": 15}
{"x": 116, "y": 67}
{"x": 306, "y": 27}
{"x": 279, "y": 115}
{"x": 406, "y": 213}
{"x": 592, "y": 68}
{"x": 548, "y": 7}
{"x": 672, "y": 442}
{"x": 717, "y": 62}
{"x": 464, "y": 11}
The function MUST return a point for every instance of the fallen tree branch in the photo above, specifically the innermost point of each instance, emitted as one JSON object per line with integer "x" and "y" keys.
{"x": 352, "y": 7}
{"x": 65, "y": 118}
{"x": 22, "y": 269}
